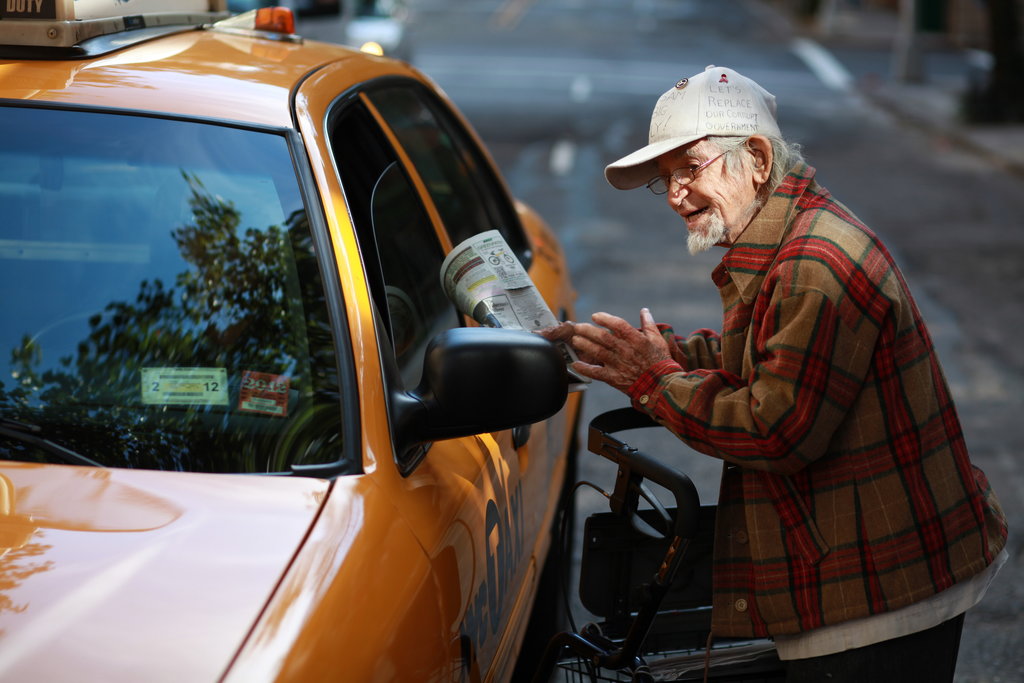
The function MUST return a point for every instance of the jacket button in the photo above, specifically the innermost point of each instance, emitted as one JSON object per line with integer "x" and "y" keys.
{"x": 644, "y": 399}
{"x": 740, "y": 536}
{"x": 741, "y": 605}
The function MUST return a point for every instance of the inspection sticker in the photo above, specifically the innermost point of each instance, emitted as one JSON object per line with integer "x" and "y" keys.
{"x": 264, "y": 393}
{"x": 185, "y": 386}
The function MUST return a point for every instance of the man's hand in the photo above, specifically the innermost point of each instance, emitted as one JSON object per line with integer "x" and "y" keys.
{"x": 562, "y": 332}
{"x": 612, "y": 350}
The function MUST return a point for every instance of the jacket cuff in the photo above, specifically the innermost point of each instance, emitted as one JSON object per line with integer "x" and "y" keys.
{"x": 645, "y": 391}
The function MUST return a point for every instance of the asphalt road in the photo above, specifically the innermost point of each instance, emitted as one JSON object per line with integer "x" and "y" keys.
{"x": 559, "y": 88}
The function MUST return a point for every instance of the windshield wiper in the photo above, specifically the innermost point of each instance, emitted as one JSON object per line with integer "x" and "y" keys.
{"x": 32, "y": 435}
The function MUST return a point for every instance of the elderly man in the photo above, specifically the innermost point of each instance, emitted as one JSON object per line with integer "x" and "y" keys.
{"x": 851, "y": 525}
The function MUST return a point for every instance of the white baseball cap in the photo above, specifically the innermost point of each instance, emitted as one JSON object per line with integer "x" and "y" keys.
{"x": 717, "y": 101}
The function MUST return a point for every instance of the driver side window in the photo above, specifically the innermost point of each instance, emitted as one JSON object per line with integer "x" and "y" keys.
{"x": 399, "y": 247}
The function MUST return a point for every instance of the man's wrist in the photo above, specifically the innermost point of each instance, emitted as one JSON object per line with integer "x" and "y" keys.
{"x": 647, "y": 387}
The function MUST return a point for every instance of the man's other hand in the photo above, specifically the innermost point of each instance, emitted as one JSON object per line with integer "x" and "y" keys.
{"x": 612, "y": 350}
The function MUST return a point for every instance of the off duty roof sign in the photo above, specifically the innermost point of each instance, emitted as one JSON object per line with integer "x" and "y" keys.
{"x": 66, "y": 23}
{"x": 28, "y": 9}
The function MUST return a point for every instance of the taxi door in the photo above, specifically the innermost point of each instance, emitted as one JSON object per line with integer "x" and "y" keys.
{"x": 413, "y": 183}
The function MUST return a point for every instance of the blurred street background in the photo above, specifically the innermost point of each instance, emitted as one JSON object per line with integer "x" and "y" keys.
{"x": 876, "y": 91}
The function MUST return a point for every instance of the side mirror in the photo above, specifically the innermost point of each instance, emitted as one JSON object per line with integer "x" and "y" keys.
{"x": 478, "y": 379}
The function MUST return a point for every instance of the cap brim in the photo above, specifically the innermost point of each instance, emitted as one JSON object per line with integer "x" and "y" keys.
{"x": 634, "y": 170}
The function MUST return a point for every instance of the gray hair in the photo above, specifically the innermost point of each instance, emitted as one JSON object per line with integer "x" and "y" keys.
{"x": 785, "y": 155}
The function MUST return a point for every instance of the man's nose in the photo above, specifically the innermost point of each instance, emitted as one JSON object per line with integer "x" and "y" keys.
{"x": 677, "y": 192}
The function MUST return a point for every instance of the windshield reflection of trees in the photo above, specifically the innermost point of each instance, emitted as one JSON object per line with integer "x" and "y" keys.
{"x": 245, "y": 303}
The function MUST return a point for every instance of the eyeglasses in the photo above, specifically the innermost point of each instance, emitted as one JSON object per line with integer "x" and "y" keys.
{"x": 681, "y": 176}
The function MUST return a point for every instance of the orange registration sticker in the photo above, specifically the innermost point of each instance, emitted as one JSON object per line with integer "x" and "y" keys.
{"x": 264, "y": 393}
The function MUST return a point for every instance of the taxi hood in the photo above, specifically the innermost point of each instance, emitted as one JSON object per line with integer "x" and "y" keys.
{"x": 139, "y": 575}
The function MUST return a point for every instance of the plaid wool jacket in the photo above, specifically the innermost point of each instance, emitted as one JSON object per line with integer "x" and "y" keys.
{"x": 847, "y": 489}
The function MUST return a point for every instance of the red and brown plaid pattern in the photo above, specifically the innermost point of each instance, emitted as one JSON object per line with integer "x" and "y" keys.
{"x": 847, "y": 489}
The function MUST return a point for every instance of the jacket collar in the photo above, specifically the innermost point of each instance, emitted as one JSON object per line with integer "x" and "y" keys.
{"x": 748, "y": 260}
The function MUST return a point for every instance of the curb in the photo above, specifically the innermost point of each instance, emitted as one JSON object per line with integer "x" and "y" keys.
{"x": 997, "y": 151}
{"x": 1000, "y": 145}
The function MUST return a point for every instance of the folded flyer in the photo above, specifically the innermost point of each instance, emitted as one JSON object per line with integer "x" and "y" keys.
{"x": 485, "y": 280}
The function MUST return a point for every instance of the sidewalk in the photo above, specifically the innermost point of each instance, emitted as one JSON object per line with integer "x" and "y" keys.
{"x": 863, "y": 42}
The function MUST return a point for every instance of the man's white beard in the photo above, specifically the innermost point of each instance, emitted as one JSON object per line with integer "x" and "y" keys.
{"x": 715, "y": 230}
{"x": 712, "y": 232}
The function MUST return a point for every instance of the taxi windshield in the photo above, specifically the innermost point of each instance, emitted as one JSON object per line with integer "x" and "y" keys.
{"x": 163, "y": 307}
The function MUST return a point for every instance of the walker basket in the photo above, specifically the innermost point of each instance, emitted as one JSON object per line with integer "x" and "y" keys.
{"x": 618, "y": 560}
{"x": 646, "y": 574}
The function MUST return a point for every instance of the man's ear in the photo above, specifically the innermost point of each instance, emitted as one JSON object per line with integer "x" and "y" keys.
{"x": 760, "y": 149}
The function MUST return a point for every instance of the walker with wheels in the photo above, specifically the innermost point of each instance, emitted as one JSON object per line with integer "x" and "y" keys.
{"x": 646, "y": 574}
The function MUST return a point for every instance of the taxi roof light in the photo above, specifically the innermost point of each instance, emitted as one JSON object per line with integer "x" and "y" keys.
{"x": 275, "y": 19}
{"x": 271, "y": 20}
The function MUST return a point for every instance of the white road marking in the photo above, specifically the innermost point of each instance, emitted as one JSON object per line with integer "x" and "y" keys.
{"x": 581, "y": 89}
{"x": 563, "y": 158}
{"x": 823, "y": 64}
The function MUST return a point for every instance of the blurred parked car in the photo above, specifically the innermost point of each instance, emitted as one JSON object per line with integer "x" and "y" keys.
{"x": 379, "y": 27}
{"x": 374, "y": 26}
{"x": 244, "y": 435}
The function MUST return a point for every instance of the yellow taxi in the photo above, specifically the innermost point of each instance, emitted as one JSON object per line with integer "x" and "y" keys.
{"x": 244, "y": 435}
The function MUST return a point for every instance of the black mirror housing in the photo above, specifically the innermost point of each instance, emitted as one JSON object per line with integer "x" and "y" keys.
{"x": 478, "y": 379}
